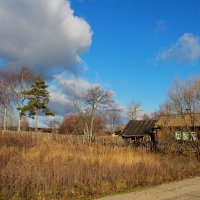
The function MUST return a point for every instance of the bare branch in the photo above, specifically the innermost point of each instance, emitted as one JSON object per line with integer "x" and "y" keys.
{"x": 133, "y": 109}
{"x": 94, "y": 100}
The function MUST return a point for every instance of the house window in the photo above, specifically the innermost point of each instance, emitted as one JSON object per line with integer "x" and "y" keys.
{"x": 185, "y": 136}
{"x": 178, "y": 135}
{"x": 193, "y": 136}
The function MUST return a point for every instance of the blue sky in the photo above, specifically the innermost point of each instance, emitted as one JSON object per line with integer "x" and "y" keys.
{"x": 133, "y": 47}
{"x": 128, "y": 36}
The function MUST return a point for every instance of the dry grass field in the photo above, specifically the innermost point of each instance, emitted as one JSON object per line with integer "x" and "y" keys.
{"x": 35, "y": 167}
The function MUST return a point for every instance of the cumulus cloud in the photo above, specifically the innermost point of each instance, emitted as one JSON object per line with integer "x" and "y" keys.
{"x": 42, "y": 34}
{"x": 60, "y": 103}
{"x": 185, "y": 50}
{"x": 65, "y": 90}
{"x": 73, "y": 86}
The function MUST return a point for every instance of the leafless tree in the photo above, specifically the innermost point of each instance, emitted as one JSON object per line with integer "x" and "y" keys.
{"x": 165, "y": 109}
{"x": 24, "y": 123}
{"x": 113, "y": 117}
{"x": 184, "y": 96}
{"x": 94, "y": 100}
{"x": 54, "y": 124}
{"x": 145, "y": 117}
{"x": 132, "y": 110}
{"x": 78, "y": 105}
{"x": 23, "y": 80}
{"x": 6, "y": 93}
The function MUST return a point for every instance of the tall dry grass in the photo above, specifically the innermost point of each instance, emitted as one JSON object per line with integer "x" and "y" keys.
{"x": 33, "y": 167}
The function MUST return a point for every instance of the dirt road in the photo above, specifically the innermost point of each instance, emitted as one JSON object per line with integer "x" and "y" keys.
{"x": 188, "y": 189}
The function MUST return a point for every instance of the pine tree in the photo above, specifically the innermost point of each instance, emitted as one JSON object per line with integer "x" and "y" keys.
{"x": 38, "y": 98}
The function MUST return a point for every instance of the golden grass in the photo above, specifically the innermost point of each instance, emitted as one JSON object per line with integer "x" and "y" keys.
{"x": 34, "y": 167}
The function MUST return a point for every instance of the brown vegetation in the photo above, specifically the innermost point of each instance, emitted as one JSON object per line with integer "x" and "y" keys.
{"x": 72, "y": 124}
{"x": 33, "y": 167}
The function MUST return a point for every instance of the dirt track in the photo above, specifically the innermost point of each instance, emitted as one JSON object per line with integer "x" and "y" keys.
{"x": 188, "y": 189}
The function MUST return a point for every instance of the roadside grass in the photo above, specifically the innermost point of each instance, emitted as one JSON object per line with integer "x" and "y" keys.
{"x": 35, "y": 167}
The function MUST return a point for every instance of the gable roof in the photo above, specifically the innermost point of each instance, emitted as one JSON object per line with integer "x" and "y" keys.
{"x": 185, "y": 120}
{"x": 138, "y": 128}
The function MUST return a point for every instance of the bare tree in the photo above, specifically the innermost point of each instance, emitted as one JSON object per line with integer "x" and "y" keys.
{"x": 24, "y": 123}
{"x": 23, "y": 82}
{"x": 113, "y": 117}
{"x": 133, "y": 109}
{"x": 78, "y": 105}
{"x": 94, "y": 100}
{"x": 54, "y": 124}
{"x": 145, "y": 117}
{"x": 6, "y": 93}
{"x": 164, "y": 109}
{"x": 156, "y": 115}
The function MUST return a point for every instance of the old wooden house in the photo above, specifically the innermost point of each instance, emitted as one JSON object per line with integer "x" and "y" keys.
{"x": 182, "y": 127}
{"x": 140, "y": 130}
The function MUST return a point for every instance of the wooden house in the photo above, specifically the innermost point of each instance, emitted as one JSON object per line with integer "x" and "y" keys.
{"x": 183, "y": 127}
{"x": 140, "y": 130}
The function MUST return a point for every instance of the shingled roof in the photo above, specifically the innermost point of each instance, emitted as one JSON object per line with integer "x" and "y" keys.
{"x": 138, "y": 128}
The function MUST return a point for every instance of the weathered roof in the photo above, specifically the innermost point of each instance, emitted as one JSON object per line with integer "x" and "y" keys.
{"x": 185, "y": 120}
{"x": 138, "y": 128}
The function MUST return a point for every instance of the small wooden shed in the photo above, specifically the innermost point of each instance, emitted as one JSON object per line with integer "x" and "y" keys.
{"x": 140, "y": 130}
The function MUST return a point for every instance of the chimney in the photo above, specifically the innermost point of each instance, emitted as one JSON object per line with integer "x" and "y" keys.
{"x": 188, "y": 111}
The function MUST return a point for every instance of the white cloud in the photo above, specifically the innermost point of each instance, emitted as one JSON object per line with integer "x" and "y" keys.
{"x": 64, "y": 90}
{"x": 44, "y": 120}
{"x": 59, "y": 97}
{"x": 42, "y": 34}
{"x": 60, "y": 103}
{"x": 185, "y": 50}
{"x": 74, "y": 87}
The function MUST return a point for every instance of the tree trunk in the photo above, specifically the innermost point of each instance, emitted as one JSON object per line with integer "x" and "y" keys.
{"x": 5, "y": 118}
{"x": 86, "y": 132}
{"x": 36, "y": 121}
{"x": 19, "y": 122}
{"x": 91, "y": 128}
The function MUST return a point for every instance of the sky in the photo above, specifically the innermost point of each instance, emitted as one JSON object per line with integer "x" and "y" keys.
{"x": 135, "y": 48}
{"x": 140, "y": 46}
